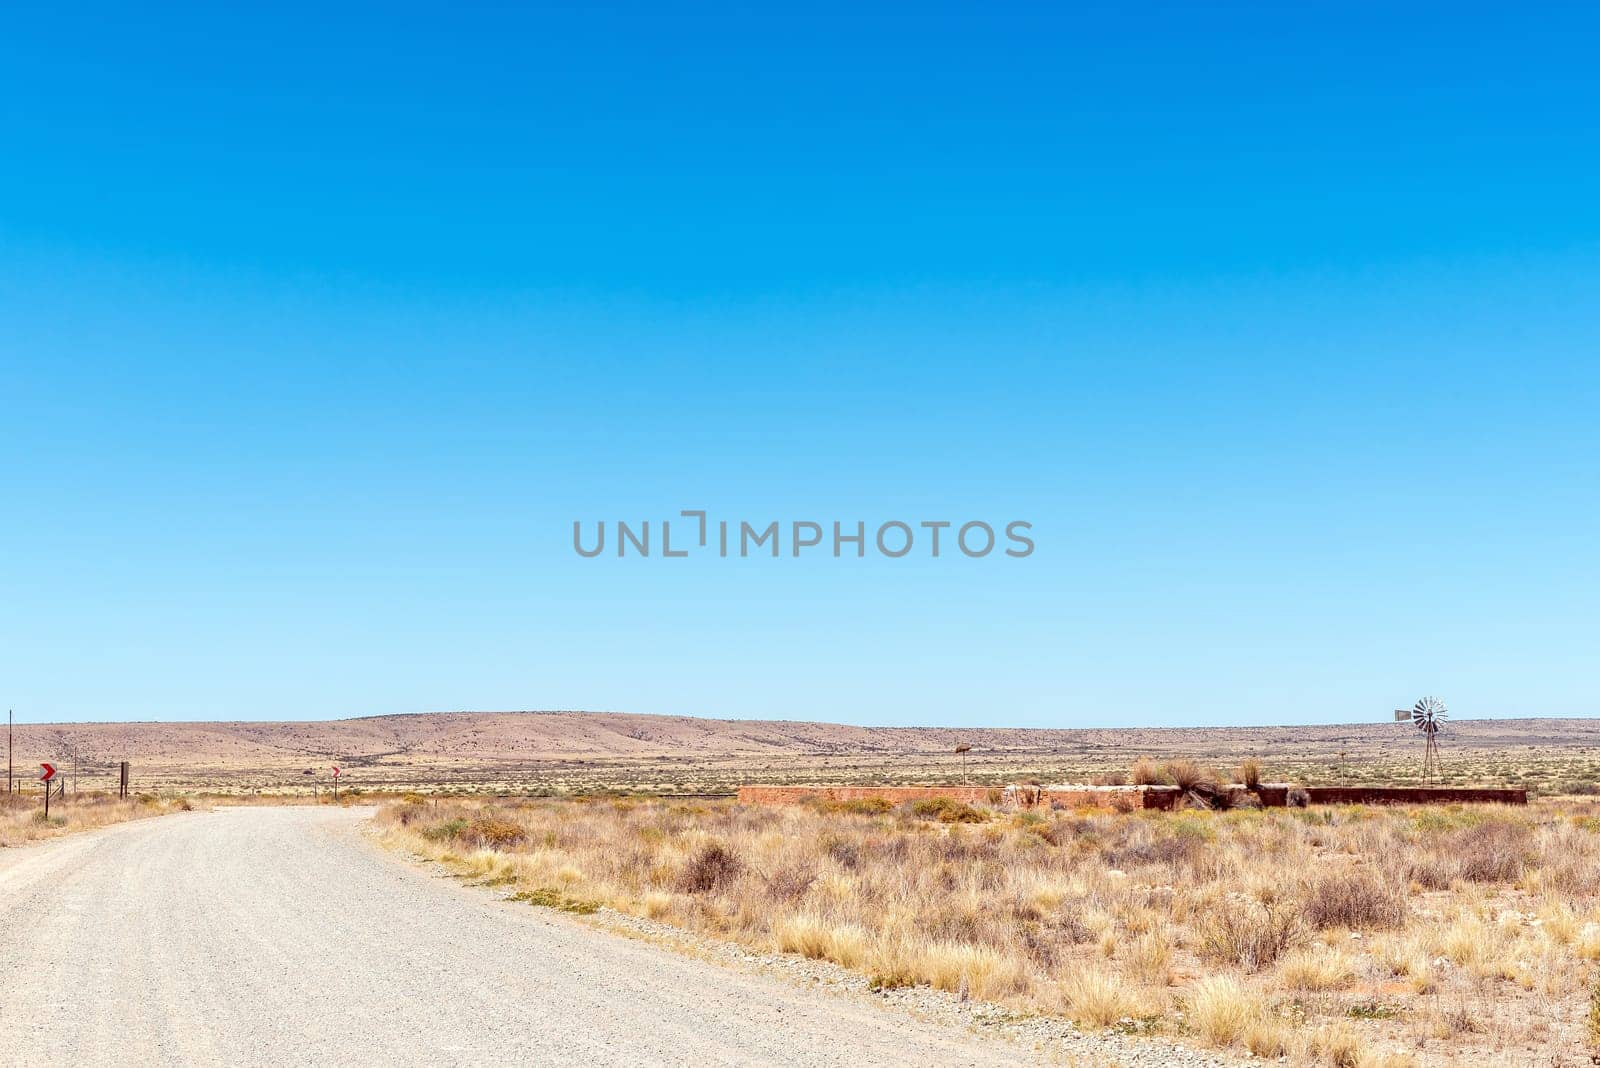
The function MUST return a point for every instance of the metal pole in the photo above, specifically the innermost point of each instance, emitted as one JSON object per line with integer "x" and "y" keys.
{"x": 9, "y": 716}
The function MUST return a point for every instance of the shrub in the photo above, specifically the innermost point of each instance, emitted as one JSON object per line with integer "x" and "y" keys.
{"x": 711, "y": 868}
{"x": 857, "y": 806}
{"x": 1110, "y": 778}
{"x": 845, "y": 853}
{"x": 1059, "y": 832}
{"x": 945, "y": 810}
{"x": 1433, "y": 871}
{"x": 447, "y": 831}
{"x": 790, "y": 882}
{"x": 1353, "y": 899}
{"x": 492, "y": 832}
{"x": 1175, "y": 850}
{"x": 1491, "y": 852}
{"x": 1249, "y": 934}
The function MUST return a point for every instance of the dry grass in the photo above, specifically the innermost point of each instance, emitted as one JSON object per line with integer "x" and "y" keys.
{"x": 1145, "y": 772}
{"x": 1222, "y": 1010}
{"x": 1191, "y": 775}
{"x": 1097, "y": 997}
{"x": 1328, "y": 936}
{"x": 1316, "y": 970}
{"x": 1250, "y": 773}
{"x": 22, "y": 816}
{"x": 1594, "y": 1016}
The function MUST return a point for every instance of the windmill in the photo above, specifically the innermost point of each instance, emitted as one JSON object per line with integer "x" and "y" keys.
{"x": 1428, "y": 716}
{"x": 963, "y": 749}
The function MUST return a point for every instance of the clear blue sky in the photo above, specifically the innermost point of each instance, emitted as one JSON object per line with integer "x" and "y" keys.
{"x": 319, "y": 325}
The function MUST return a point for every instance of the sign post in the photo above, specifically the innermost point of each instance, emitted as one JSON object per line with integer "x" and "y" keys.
{"x": 49, "y": 773}
{"x": 336, "y": 784}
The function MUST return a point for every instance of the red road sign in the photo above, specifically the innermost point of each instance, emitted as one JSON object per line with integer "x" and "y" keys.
{"x": 49, "y": 772}
{"x": 335, "y": 773}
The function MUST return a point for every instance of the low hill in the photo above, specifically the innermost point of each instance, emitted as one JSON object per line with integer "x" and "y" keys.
{"x": 588, "y": 750}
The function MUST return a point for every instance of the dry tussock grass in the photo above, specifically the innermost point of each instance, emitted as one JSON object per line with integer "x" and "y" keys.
{"x": 1330, "y": 936}
{"x": 22, "y": 816}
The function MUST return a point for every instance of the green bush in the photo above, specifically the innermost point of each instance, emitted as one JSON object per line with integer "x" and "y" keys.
{"x": 447, "y": 831}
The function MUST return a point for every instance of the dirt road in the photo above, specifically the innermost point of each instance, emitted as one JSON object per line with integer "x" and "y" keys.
{"x": 281, "y": 936}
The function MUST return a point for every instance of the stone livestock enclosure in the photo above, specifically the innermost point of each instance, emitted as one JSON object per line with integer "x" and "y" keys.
{"x": 1134, "y": 798}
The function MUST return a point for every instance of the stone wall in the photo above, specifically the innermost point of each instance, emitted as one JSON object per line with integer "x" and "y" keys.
{"x": 1073, "y": 796}
{"x": 1415, "y": 795}
{"x": 1129, "y": 798}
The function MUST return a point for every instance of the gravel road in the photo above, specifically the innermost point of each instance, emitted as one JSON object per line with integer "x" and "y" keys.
{"x": 281, "y": 936}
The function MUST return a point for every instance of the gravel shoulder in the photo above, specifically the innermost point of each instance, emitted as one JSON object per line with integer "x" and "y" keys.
{"x": 281, "y": 935}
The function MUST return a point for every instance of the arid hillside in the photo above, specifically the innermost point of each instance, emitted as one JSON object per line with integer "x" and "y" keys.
{"x": 586, "y": 751}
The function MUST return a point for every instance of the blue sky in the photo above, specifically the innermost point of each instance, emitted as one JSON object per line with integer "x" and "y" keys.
{"x": 319, "y": 326}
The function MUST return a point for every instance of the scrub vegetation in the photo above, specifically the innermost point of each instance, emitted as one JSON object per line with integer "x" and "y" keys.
{"x": 22, "y": 817}
{"x": 1343, "y": 936}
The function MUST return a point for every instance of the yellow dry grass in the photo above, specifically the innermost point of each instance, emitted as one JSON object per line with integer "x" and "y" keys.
{"x": 1346, "y": 936}
{"x": 22, "y": 817}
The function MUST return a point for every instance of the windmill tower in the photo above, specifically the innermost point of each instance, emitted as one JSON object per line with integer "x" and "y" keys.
{"x": 1428, "y": 716}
